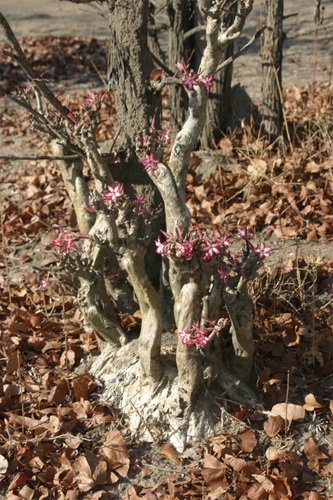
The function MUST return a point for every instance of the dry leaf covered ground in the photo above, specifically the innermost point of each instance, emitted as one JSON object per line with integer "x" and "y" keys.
{"x": 58, "y": 437}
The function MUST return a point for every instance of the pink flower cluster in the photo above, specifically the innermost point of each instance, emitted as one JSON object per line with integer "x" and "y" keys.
{"x": 150, "y": 162}
{"x": 191, "y": 78}
{"x": 201, "y": 335}
{"x": 92, "y": 99}
{"x": 195, "y": 242}
{"x": 261, "y": 249}
{"x": 65, "y": 241}
{"x": 208, "y": 246}
{"x": 150, "y": 140}
{"x": 115, "y": 193}
{"x": 177, "y": 246}
{"x": 141, "y": 203}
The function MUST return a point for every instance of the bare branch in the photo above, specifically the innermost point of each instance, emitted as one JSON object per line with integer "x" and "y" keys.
{"x": 35, "y": 79}
{"x": 242, "y": 51}
{"x": 161, "y": 64}
{"x": 38, "y": 157}
{"x": 83, "y": 1}
{"x": 310, "y": 31}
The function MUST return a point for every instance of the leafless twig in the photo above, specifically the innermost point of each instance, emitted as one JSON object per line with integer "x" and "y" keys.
{"x": 242, "y": 51}
{"x": 310, "y": 31}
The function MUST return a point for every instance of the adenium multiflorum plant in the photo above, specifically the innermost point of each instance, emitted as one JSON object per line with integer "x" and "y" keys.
{"x": 204, "y": 271}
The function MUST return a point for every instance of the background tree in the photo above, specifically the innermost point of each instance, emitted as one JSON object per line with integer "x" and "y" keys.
{"x": 129, "y": 68}
{"x": 271, "y": 53}
{"x": 187, "y": 39}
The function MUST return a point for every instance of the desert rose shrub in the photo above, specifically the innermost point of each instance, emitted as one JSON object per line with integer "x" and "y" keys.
{"x": 205, "y": 271}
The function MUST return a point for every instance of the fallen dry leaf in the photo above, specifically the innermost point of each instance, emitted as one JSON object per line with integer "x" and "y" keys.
{"x": 312, "y": 450}
{"x": 274, "y": 425}
{"x": 171, "y": 453}
{"x": 248, "y": 440}
{"x": 214, "y": 471}
{"x": 311, "y": 403}
{"x": 288, "y": 411}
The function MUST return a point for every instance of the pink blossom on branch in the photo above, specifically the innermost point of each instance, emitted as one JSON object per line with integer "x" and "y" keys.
{"x": 163, "y": 135}
{"x": 190, "y": 80}
{"x": 141, "y": 202}
{"x": 186, "y": 248}
{"x": 154, "y": 135}
{"x": 224, "y": 274}
{"x": 65, "y": 240}
{"x": 45, "y": 283}
{"x": 244, "y": 233}
{"x": 159, "y": 246}
{"x": 262, "y": 251}
{"x": 150, "y": 162}
{"x": 207, "y": 82}
{"x": 196, "y": 335}
{"x": 202, "y": 335}
{"x": 114, "y": 192}
{"x": 210, "y": 249}
{"x": 93, "y": 99}
{"x": 182, "y": 66}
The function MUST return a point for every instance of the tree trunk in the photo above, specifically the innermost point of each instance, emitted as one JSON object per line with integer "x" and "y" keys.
{"x": 130, "y": 64}
{"x": 129, "y": 68}
{"x": 184, "y": 15}
{"x": 272, "y": 69}
{"x": 180, "y": 14}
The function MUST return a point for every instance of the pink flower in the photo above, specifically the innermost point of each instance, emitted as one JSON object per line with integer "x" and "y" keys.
{"x": 91, "y": 99}
{"x": 114, "y": 192}
{"x": 224, "y": 274}
{"x": 164, "y": 135}
{"x": 201, "y": 335}
{"x": 244, "y": 233}
{"x": 159, "y": 246}
{"x": 45, "y": 283}
{"x": 145, "y": 140}
{"x": 65, "y": 240}
{"x": 262, "y": 251}
{"x": 190, "y": 79}
{"x": 141, "y": 202}
{"x": 207, "y": 82}
{"x": 196, "y": 335}
{"x": 182, "y": 66}
{"x": 210, "y": 249}
{"x": 186, "y": 338}
{"x": 150, "y": 162}
{"x": 90, "y": 208}
{"x": 223, "y": 240}
{"x": 187, "y": 248}
{"x": 71, "y": 117}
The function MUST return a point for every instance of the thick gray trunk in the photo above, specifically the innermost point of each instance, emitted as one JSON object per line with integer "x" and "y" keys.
{"x": 129, "y": 68}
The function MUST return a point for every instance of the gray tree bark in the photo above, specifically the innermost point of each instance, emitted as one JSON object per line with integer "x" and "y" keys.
{"x": 272, "y": 69}
{"x": 129, "y": 67}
